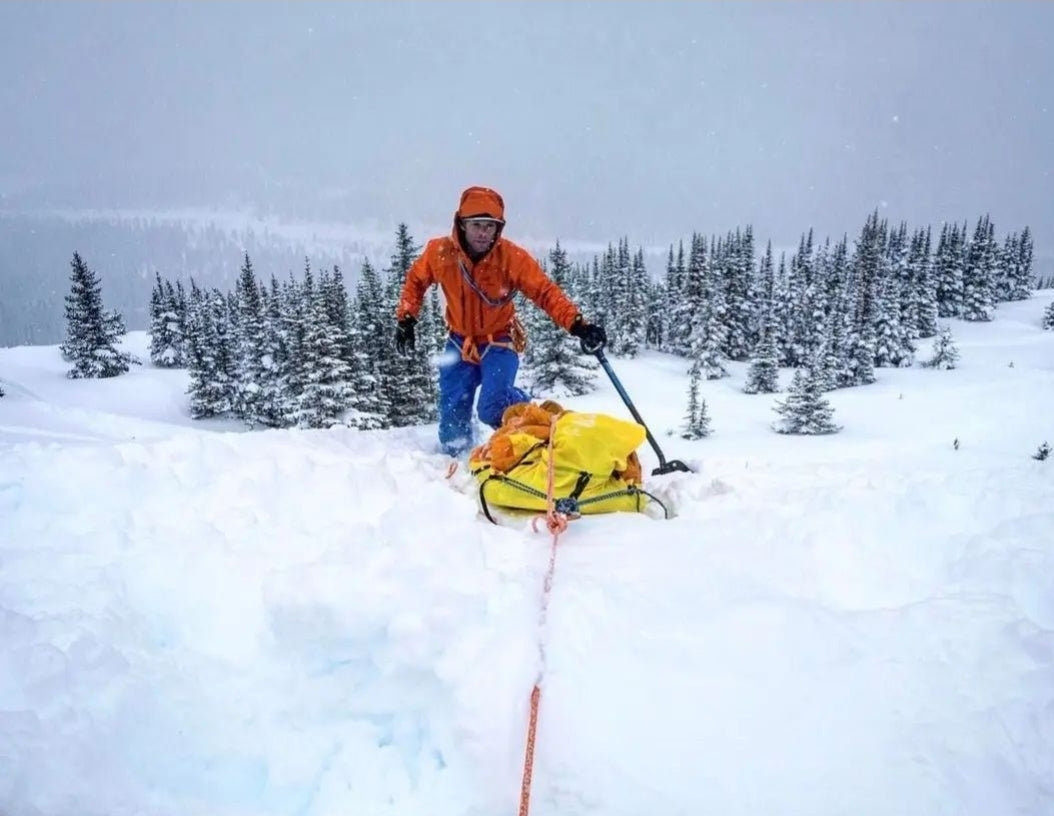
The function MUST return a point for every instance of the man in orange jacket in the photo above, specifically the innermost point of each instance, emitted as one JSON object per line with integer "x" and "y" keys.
{"x": 479, "y": 272}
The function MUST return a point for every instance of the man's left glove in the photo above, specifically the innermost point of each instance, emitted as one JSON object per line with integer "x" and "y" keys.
{"x": 592, "y": 335}
{"x": 405, "y": 342}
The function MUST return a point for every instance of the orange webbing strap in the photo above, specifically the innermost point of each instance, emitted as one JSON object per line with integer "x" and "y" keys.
{"x": 557, "y": 523}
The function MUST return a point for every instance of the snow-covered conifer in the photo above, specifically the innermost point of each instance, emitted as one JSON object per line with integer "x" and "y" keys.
{"x": 91, "y": 334}
{"x": 806, "y": 410}
{"x": 1019, "y": 265}
{"x": 326, "y": 392}
{"x": 697, "y": 420}
{"x": 211, "y": 363}
{"x": 979, "y": 277}
{"x": 1048, "y": 316}
{"x": 372, "y": 341}
{"x": 248, "y": 347}
{"x": 945, "y": 352}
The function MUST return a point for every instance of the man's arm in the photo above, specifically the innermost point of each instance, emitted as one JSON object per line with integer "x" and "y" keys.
{"x": 531, "y": 279}
{"x": 420, "y": 276}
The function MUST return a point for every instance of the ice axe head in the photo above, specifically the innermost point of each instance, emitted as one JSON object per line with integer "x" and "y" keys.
{"x": 673, "y": 466}
{"x": 595, "y": 349}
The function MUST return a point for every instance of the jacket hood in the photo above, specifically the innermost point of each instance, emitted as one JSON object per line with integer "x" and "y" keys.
{"x": 481, "y": 202}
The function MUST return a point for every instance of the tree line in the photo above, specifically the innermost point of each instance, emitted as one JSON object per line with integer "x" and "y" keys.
{"x": 301, "y": 352}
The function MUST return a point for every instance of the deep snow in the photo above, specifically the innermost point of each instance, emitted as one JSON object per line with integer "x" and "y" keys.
{"x": 197, "y": 619}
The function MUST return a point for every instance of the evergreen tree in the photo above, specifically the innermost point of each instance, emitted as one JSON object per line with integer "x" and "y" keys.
{"x": 326, "y": 392}
{"x": 924, "y": 285}
{"x": 784, "y": 295}
{"x": 837, "y": 362}
{"x": 413, "y": 388}
{"x": 707, "y": 342}
{"x": 684, "y": 290}
{"x": 763, "y": 374}
{"x": 274, "y": 359}
{"x": 632, "y": 318}
{"x": 91, "y": 334}
{"x": 162, "y": 351}
{"x": 1005, "y": 269}
{"x": 338, "y": 311}
{"x": 673, "y": 285}
{"x": 1020, "y": 263}
{"x": 802, "y": 308}
{"x": 696, "y": 421}
{"x": 759, "y": 302}
{"x": 617, "y": 275}
{"x": 899, "y": 251}
{"x": 812, "y": 321}
{"x": 371, "y": 336}
{"x": 409, "y": 384}
{"x": 945, "y": 352}
{"x": 297, "y": 302}
{"x": 902, "y": 278}
{"x": 979, "y": 274}
{"x": 892, "y": 344}
{"x": 578, "y": 287}
{"x": 706, "y": 313}
{"x": 250, "y": 379}
{"x": 406, "y": 252}
{"x": 806, "y": 410}
{"x": 949, "y": 272}
{"x": 175, "y": 303}
{"x": 864, "y": 279}
{"x": 211, "y": 365}
{"x": 1048, "y": 316}
{"x": 738, "y": 268}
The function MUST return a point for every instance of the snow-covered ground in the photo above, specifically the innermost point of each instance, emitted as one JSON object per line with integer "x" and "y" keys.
{"x": 196, "y": 619}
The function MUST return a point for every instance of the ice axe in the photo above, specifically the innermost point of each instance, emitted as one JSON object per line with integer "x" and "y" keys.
{"x": 674, "y": 465}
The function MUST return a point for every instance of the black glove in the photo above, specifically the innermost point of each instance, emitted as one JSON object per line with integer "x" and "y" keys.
{"x": 405, "y": 342}
{"x": 592, "y": 335}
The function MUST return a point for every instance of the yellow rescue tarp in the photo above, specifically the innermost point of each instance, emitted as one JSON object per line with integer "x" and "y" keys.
{"x": 595, "y": 444}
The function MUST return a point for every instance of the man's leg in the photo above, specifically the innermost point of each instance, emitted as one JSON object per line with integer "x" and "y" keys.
{"x": 458, "y": 381}
{"x": 498, "y": 366}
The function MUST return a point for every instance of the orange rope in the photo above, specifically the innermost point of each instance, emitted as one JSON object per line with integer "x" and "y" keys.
{"x": 528, "y": 760}
{"x": 557, "y": 523}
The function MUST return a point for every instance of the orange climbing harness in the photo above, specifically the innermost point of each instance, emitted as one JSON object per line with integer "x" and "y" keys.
{"x": 515, "y": 338}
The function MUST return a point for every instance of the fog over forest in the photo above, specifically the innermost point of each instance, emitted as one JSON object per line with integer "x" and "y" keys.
{"x": 335, "y": 122}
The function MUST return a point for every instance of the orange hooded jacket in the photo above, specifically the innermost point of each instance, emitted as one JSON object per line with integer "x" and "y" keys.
{"x": 479, "y": 296}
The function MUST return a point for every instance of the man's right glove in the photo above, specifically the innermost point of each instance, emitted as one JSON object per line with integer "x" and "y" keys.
{"x": 405, "y": 342}
{"x": 592, "y": 335}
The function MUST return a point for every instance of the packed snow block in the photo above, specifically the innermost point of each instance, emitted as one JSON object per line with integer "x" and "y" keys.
{"x": 595, "y": 464}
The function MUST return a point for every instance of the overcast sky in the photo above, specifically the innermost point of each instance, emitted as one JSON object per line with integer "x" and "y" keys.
{"x": 595, "y": 120}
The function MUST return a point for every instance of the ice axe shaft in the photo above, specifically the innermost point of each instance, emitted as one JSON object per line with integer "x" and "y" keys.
{"x": 673, "y": 465}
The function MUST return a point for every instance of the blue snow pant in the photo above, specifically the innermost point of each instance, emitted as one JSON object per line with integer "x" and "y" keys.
{"x": 494, "y": 376}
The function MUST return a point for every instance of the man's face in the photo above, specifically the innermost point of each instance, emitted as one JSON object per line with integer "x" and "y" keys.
{"x": 479, "y": 235}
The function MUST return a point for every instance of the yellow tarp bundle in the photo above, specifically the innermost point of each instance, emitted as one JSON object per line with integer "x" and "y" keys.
{"x": 595, "y": 444}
